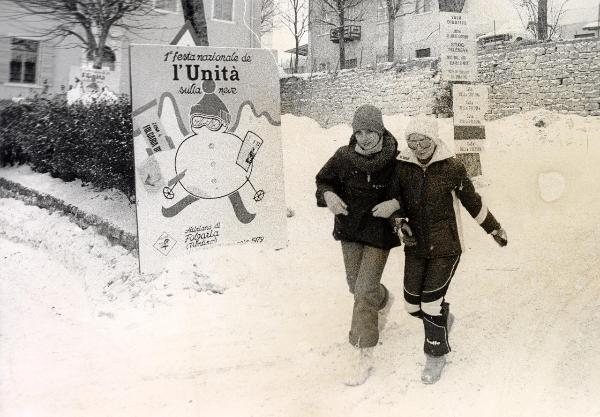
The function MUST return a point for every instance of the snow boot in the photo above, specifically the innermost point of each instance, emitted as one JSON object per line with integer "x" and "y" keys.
{"x": 432, "y": 371}
{"x": 361, "y": 367}
{"x": 385, "y": 311}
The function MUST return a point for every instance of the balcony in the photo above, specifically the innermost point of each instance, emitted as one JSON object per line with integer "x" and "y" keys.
{"x": 351, "y": 33}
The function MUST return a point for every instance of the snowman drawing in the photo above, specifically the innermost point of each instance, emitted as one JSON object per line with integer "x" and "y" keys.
{"x": 211, "y": 162}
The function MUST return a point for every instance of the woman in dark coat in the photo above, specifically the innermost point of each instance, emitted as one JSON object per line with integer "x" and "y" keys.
{"x": 355, "y": 185}
{"x": 432, "y": 183}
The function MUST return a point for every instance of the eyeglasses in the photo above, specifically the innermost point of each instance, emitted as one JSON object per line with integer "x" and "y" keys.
{"x": 422, "y": 143}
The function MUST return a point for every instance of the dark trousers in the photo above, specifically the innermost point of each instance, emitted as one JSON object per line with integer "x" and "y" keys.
{"x": 364, "y": 267}
{"x": 426, "y": 282}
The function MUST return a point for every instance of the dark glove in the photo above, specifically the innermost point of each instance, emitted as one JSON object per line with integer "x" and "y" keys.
{"x": 404, "y": 232}
{"x": 500, "y": 237}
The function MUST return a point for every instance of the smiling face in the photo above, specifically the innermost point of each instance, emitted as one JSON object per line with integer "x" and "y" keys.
{"x": 367, "y": 139}
{"x": 421, "y": 145}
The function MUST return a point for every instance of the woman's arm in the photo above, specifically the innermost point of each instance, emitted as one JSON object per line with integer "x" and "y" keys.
{"x": 471, "y": 200}
{"x": 328, "y": 179}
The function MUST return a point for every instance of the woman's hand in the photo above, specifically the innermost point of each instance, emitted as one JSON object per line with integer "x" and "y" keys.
{"x": 500, "y": 237}
{"x": 385, "y": 209}
{"x": 335, "y": 203}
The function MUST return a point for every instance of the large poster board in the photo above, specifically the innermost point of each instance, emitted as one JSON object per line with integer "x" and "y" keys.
{"x": 458, "y": 48}
{"x": 207, "y": 148}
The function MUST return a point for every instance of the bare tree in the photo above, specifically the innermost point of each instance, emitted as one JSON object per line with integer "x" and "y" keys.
{"x": 87, "y": 21}
{"x": 541, "y": 17}
{"x": 394, "y": 10}
{"x": 295, "y": 18}
{"x": 344, "y": 11}
{"x": 193, "y": 12}
{"x": 268, "y": 12}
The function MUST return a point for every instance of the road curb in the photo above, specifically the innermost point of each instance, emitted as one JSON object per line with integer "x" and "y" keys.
{"x": 11, "y": 189}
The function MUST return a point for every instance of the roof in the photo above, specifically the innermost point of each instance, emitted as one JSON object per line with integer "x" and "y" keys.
{"x": 302, "y": 50}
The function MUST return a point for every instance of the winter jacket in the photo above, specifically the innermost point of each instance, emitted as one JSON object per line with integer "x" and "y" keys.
{"x": 429, "y": 198}
{"x": 361, "y": 182}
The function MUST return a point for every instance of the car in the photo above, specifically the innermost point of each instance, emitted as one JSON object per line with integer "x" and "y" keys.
{"x": 508, "y": 35}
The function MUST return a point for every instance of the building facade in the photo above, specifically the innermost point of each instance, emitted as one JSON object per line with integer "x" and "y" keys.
{"x": 416, "y": 33}
{"x": 30, "y": 64}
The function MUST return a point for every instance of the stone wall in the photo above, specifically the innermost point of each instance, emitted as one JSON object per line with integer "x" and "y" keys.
{"x": 560, "y": 76}
{"x": 331, "y": 98}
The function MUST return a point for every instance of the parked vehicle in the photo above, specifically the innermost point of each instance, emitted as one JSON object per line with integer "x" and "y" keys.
{"x": 508, "y": 35}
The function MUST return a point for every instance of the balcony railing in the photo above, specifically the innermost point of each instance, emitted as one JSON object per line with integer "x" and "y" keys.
{"x": 351, "y": 33}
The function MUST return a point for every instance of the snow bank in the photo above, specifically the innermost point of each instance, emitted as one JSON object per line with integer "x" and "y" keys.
{"x": 245, "y": 331}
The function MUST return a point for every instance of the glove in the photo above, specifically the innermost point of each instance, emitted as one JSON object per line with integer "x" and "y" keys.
{"x": 500, "y": 237}
{"x": 385, "y": 208}
{"x": 407, "y": 236}
{"x": 335, "y": 203}
{"x": 404, "y": 232}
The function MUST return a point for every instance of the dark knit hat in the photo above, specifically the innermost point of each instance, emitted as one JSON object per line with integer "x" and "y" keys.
{"x": 210, "y": 105}
{"x": 368, "y": 117}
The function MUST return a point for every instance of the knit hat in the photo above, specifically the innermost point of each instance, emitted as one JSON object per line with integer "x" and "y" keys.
{"x": 210, "y": 105}
{"x": 423, "y": 125}
{"x": 368, "y": 117}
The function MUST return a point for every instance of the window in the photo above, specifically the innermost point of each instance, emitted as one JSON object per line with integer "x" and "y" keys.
{"x": 423, "y": 53}
{"x": 351, "y": 63}
{"x": 223, "y": 10}
{"x": 167, "y": 5}
{"x": 328, "y": 16}
{"x": 381, "y": 58}
{"x": 422, "y": 6}
{"x": 324, "y": 66}
{"x": 382, "y": 32}
{"x": 353, "y": 14}
{"x": 108, "y": 58}
{"x": 23, "y": 60}
{"x": 382, "y": 11}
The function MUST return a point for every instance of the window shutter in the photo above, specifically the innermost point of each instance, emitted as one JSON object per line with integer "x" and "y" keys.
{"x": 4, "y": 59}
{"x": 46, "y": 64}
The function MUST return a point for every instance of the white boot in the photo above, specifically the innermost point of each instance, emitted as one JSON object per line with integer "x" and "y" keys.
{"x": 433, "y": 369}
{"x": 384, "y": 312}
{"x": 360, "y": 367}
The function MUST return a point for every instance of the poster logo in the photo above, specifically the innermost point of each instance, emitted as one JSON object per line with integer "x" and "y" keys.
{"x": 164, "y": 243}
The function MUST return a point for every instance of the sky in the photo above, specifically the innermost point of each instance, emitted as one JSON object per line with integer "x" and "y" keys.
{"x": 503, "y": 10}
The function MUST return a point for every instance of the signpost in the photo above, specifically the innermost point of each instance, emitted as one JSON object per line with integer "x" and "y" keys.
{"x": 459, "y": 65}
{"x": 470, "y": 103}
{"x": 458, "y": 48}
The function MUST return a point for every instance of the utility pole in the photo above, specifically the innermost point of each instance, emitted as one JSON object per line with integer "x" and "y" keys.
{"x": 542, "y": 23}
{"x": 598, "y": 22}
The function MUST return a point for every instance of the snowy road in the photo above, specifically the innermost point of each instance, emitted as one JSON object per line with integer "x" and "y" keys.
{"x": 251, "y": 332}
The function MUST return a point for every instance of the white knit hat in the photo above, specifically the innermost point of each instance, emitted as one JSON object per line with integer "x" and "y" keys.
{"x": 424, "y": 125}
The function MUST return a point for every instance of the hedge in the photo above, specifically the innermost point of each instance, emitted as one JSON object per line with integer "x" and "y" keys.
{"x": 93, "y": 143}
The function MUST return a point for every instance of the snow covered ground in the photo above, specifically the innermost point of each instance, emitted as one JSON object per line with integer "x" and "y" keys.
{"x": 252, "y": 332}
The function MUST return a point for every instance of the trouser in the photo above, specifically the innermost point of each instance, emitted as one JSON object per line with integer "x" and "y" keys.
{"x": 364, "y": 267}
{"x": 426, "y": 282}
